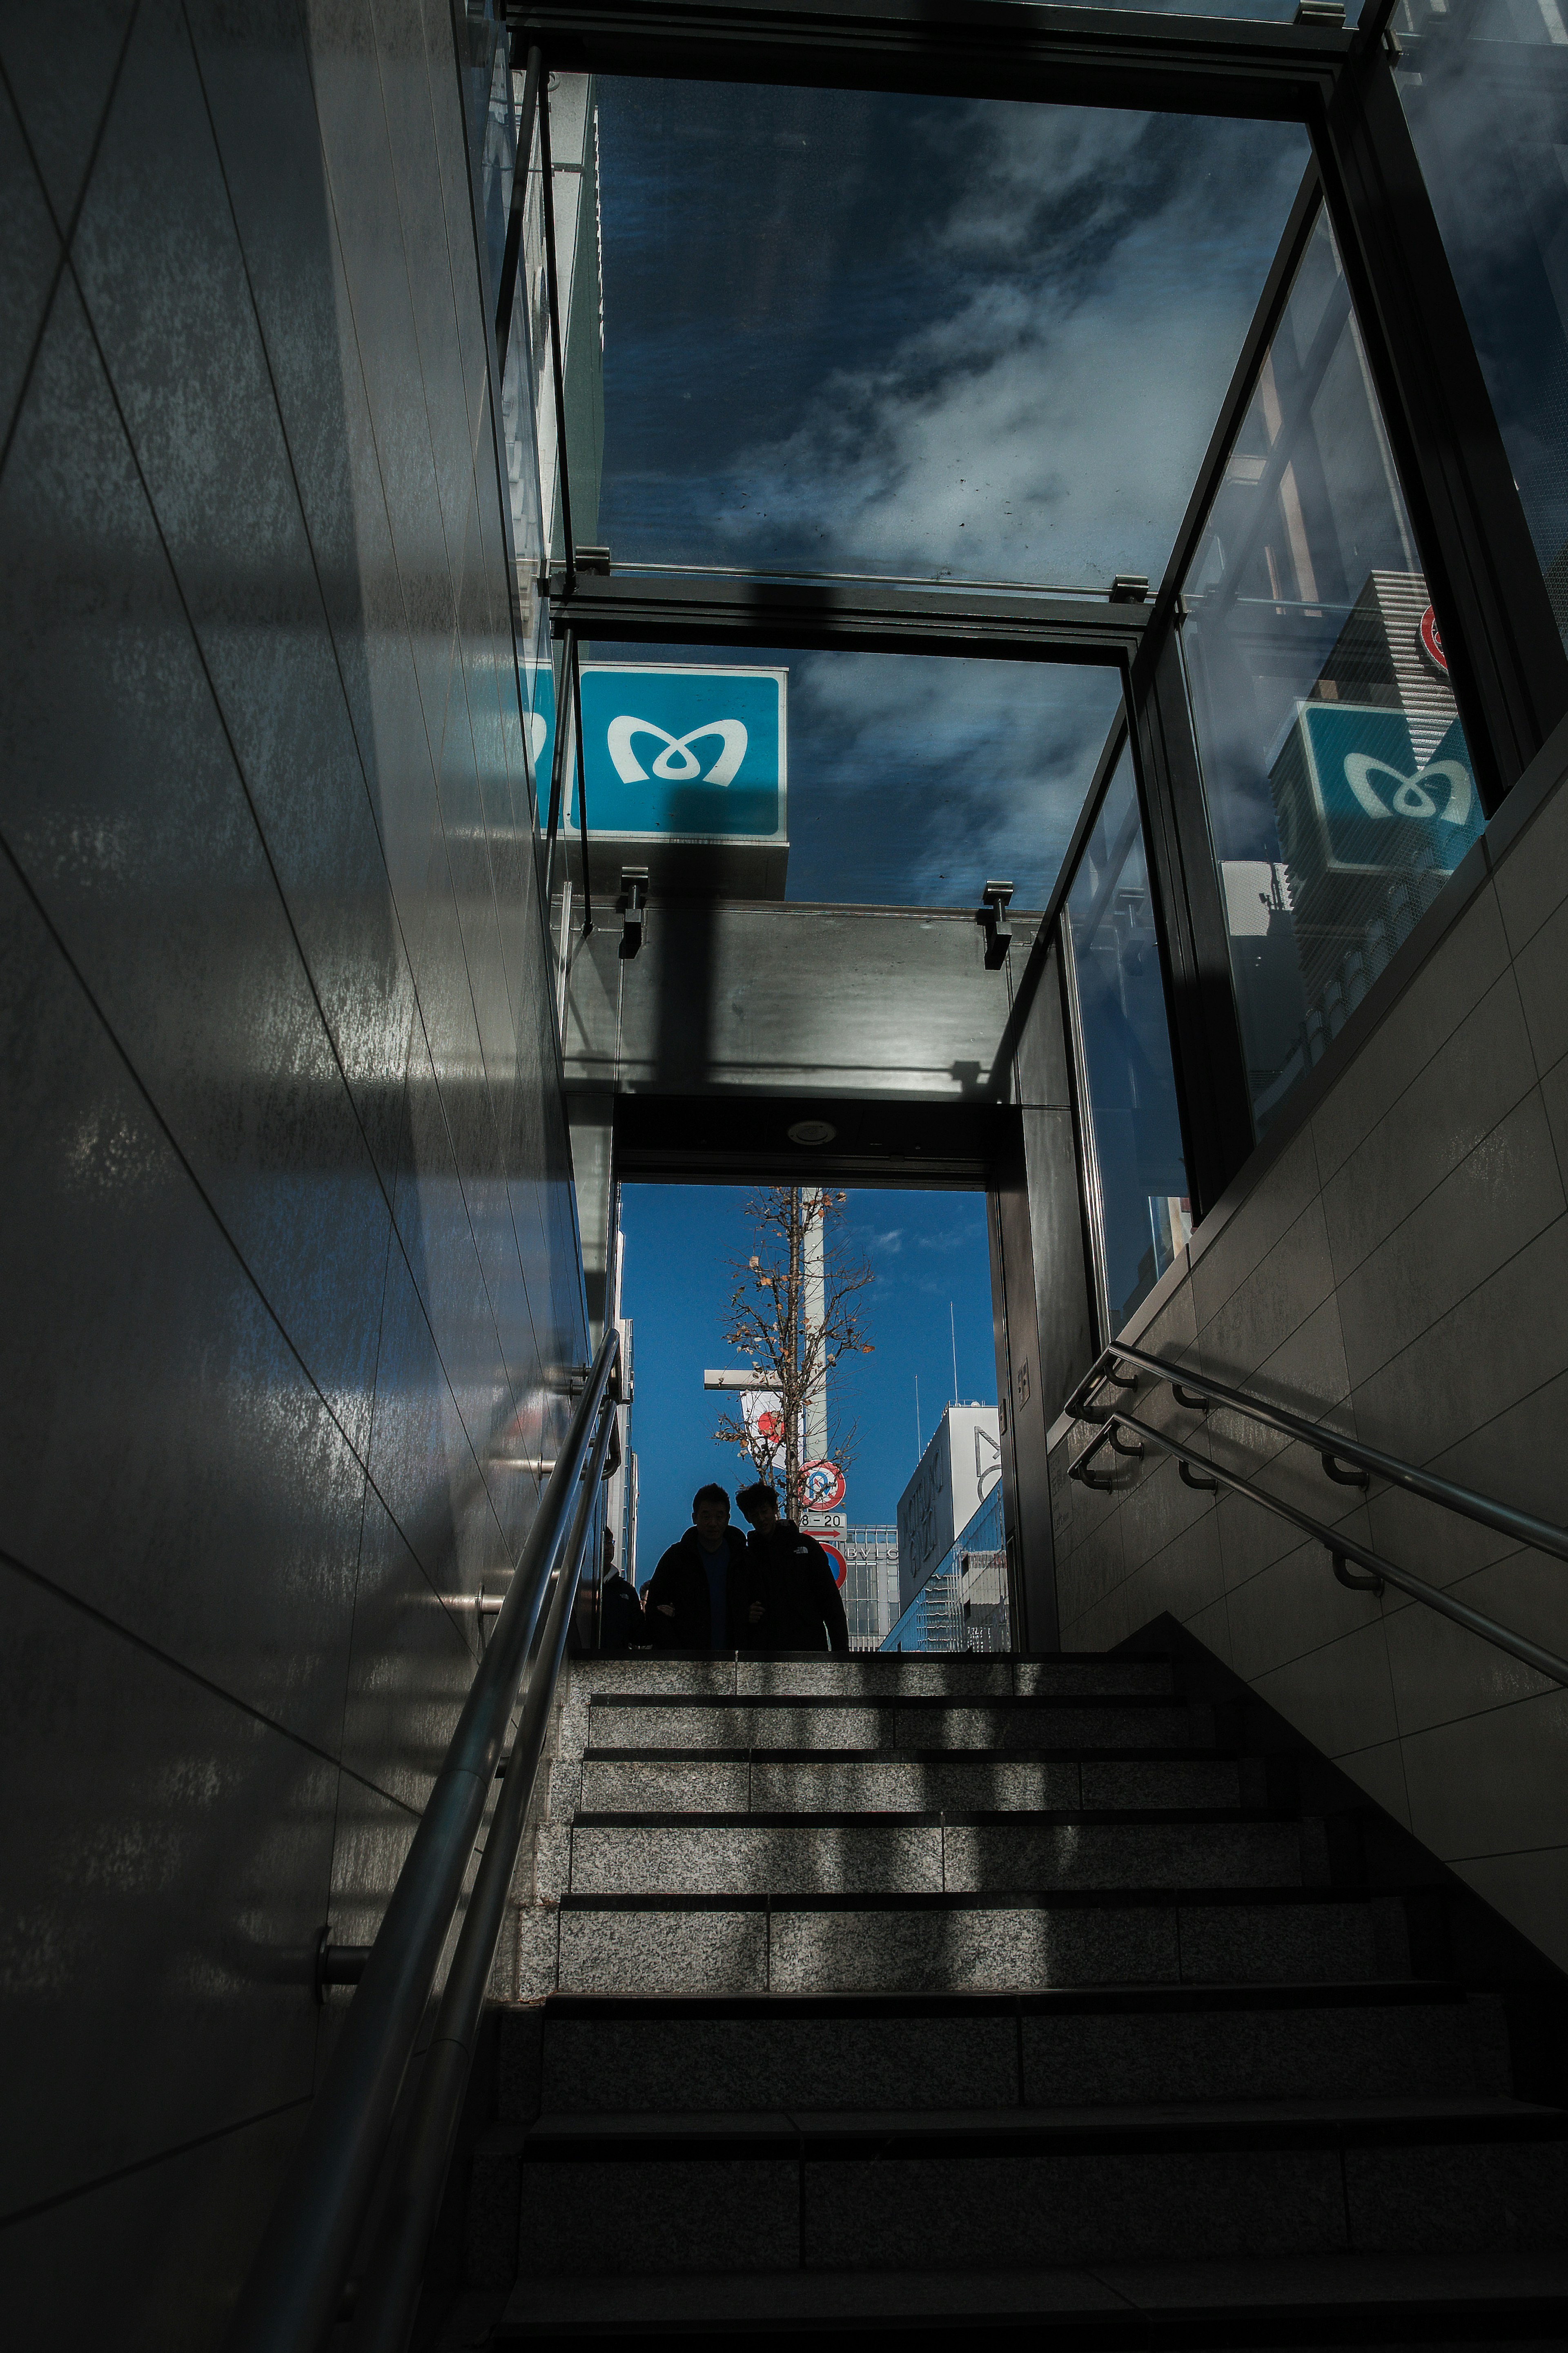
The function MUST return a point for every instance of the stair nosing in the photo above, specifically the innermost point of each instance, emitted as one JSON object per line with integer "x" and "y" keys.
{"x": 828, "y": 2137}
{"x": 1317, "y": 1994}
{"x": 930, "y": 1818}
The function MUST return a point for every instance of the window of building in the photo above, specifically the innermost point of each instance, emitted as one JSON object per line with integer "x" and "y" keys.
{"x": 1134, "y": 1165}
{"x": 1485, "y": 90}
{"x": 1338, "y": 782}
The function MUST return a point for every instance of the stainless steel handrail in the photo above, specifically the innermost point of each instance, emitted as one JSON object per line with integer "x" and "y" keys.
{"x": 1341, "y": 1548}
{"x": 384, "y": 2311}
{"x": 1522, "y": 1525}
{"x": 291, "y": 2298}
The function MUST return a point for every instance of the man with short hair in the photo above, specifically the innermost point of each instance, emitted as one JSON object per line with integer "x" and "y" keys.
{"x": 700, "y": 1597}
{"x": 802, "y": 1607}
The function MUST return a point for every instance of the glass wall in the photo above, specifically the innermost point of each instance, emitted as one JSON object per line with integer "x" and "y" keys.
{"x": 854, "y": 330}
{"x": 1338, "y": 782}
{"x": 1485, "y": 89}
{"x": 904, "y": 780}
{"x": 1134, "y": 1164}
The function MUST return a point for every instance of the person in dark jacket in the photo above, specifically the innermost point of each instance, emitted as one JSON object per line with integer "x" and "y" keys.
{"x": 699, "y": 1598}
{"x": 621, "y": 1624}
{"x": 803, "y": 1608}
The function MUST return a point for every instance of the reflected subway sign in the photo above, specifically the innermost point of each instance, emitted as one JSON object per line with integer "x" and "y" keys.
{"x": 1370, "y": 801}
{"x": 679, "y": 752}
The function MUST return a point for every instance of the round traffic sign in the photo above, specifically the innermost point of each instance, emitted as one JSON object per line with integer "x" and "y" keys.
{"x": 836, "y": 1562}
{"x": 1432, "y": 642}
{"x": 822, "y": 1486}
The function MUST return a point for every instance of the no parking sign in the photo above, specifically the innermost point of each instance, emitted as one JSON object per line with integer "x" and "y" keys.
{"x": 836, "y": 1562}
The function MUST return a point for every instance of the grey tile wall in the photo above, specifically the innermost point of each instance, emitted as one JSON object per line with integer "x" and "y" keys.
{"x": 289, "y": 1254}
{"x": 1399, "y": 1272}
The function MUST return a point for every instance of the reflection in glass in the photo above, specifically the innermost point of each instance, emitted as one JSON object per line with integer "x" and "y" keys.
{"x": 855, "y": 331}
{"x": 911, "y": 780}
{"x": 1134, "y": 1154}
{"x": 1485, "y": 89}
{"x": 1338, "y": 782}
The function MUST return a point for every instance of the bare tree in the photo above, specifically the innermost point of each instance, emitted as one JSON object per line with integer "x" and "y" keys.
{"x": 774, "y": 1322}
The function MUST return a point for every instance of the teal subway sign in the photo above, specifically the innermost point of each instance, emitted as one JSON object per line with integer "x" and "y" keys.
{"x": 1370, "y": 802}
{"x": 675, "y": 753}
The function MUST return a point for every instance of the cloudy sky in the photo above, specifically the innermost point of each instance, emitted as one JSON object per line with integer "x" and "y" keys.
{"x": 855, "y": 333}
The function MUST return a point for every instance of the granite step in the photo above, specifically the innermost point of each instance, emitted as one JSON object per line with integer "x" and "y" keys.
{"x": 901, "y": 1853}
{"x": 810, "y": 1944}
{"x": 631, "y": 1781}
{"x": 1309, "y": 2303}
{"x": 1178, "y": 2044}
{"x": 931, "y": 2190}
{"x": 814, "y": 1675}
{"x": 902, "y": 1726}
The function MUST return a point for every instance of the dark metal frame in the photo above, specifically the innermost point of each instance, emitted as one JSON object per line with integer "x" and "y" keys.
{"x": 1507, "y": 664}
{"x": 721, "y": 609}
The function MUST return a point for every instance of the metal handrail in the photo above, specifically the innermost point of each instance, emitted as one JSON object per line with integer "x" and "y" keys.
{"x": 292, "y": 2298}
{"x": 1195, "y": 1389}
{"x": 384, "y": 2312}
{"x": 1545, "y": 1534}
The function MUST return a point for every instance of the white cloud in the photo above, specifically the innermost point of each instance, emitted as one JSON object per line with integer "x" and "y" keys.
{"x": 1045, "y": 418}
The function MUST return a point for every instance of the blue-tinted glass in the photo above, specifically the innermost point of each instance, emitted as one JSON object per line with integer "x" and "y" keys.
{"x": 1137, "y": 1167}
{"x": 1485, "y": 89}
{"x": 912, "y": 780}
{"x": 1337, "y": 778}
{"x": 922, "y": 336}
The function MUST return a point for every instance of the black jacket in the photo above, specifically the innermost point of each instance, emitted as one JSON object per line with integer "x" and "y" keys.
{"x": 621, "y": 1624}
{"x": 681, "y": 1577}
{"x": 802, "y": 1607}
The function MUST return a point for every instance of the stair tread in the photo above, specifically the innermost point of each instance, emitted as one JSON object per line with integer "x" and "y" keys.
{"x": 1329, "y": 2282}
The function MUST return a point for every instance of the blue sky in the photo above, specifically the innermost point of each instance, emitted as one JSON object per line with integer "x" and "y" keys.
{"x": 855, "y": 332}
{"x": 926, "y": 1249}
{"x": 866, "y": 333}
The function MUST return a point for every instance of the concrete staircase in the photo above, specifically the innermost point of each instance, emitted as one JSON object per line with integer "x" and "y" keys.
{"x": 946, "y": 1994}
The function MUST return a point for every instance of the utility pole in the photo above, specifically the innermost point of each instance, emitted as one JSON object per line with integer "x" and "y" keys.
{"x": 814, "y": 1312}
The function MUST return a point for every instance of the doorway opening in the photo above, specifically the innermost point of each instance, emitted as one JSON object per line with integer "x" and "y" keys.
{"x": 894, "y": 1463}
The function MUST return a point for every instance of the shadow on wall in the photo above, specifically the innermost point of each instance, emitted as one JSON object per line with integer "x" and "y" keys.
{"x": 1395, "y": 1267}
{"x": 289, "y": 1254}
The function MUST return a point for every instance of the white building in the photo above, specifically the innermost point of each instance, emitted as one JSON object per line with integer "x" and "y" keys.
{"x": 958, "y": 1470}
{"x": 871, "y": 1588}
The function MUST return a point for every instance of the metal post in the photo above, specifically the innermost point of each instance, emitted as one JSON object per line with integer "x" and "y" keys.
{"x": 557, "y": 371}
{"x": 582, "y": 784}
{"x": 512, "y": 255}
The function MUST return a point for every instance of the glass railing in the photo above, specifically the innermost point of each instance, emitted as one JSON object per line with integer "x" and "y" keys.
{"x": 964, "y": 1603}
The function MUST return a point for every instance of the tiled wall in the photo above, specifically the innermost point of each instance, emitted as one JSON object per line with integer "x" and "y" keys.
{"x": 288, "y": 1239}
{"x": 1399, "y": 1269}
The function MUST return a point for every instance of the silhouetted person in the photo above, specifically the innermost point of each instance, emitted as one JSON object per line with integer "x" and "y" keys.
{"x": 621, "y": 1624}
{"x": 803, "y": 1608}
{"x": 700, "y": 1597}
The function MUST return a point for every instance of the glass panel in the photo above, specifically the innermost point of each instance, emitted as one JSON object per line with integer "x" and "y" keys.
{"x": 907, "y": 780}
{"x": 963, "y": 1604}
{"x": 1485, "y": 87}
{"x": 1138, "y": 1170}
{"x": 1338, "y": 781}
{"x": 919, "y": 336}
